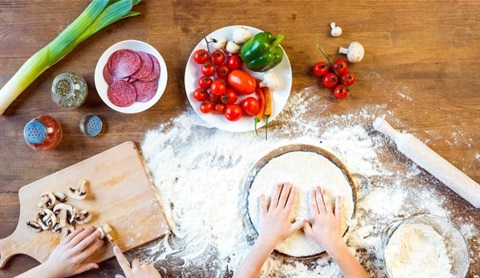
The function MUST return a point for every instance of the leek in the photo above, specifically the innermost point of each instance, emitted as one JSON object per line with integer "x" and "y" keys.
{"x": 97, "y": 15}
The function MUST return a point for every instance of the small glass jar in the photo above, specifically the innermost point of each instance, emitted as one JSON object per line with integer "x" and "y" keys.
{"x": 69, "y": 90}
{"x": 43, "y": 133}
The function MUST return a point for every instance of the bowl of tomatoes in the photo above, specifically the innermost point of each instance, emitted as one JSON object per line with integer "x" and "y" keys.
{"x": 224, "y": 92}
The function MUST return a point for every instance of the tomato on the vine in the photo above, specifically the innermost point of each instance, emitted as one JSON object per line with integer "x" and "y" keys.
{"x": 349, "y": 78}
{"x": 204, "y": 82}
{"x": 208, "y": 69}
{"x": 330, "y": 80}
{"x": 250, "y": 106}
{"x": 229, "y": 97}
{"x": 218, "y": 57}
{"x": 201, "y": 56}
{"x": 206, "y": 106}
{"x": 218, "y": 87}
{"x": 200, "y": 94}
{"x": 233, "y": 112}
{"x": 234, "y": 62}
{"x": 320, "y": 69}
{"x": 340, "y": 91}
{"x": 242, "y": 82}
{"x": 223, "y": 71}
{"x": 340, "y": 66}
{"x": 219, "y": 107}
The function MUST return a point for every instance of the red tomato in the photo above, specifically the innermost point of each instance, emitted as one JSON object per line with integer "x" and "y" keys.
{"x": 340, "y": 66}
{"x": 204, "y": 82}
{"x": 223, "y": 71}
{"x": 320, "y": 69}
{"x": 218, "y": 57}
{"x": 206, "y": 106}
{"x": 250, "y": 106}
{"x": 330, "y": 80}
{"x": 218, "y": 87}
{"x": 208, "y": 69}
{"x": 349, "y": 78}
{"x": 234, "y": 62}
{"x": 200, "y": 94}
{"x": 229, "y": 97}
{"x": 201, "y": 56}
{"x": 340, "y": 91}
{"x": 219, "y": 107}
{"x": 233, "y": 112}
{"x": 242, "y": 82}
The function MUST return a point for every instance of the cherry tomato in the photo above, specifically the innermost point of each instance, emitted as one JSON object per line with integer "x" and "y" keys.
{"x": 204, "y": 82}
{"x": 215, "y": 98}
{"x": 340, "y": 66}
{"x": 330, "y": 80}
{"x": 229, "y": 97}
{"x": 218, "y": 57}
{"x": 206, "y": 106}
{"x": 219, "y": 107}
{"x": 349, "y": 78}
{"x": 200, "y": 94}
{"x": 223, "y": 71}
{"x": 234, "y": 62}
{"x": 242, "y": 82}
{"x": 201, "y": 56}
{"x": 320, "y": 69}
{"x": 218, "y": 87}
{"x": 250, "y": 106}
{"x": 340, "y": 91}
{"x": 233, "y": 112}
{"x": 208, "y": 69}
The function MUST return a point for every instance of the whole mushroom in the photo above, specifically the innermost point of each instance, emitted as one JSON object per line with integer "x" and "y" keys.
{"x": 354, "y": 52}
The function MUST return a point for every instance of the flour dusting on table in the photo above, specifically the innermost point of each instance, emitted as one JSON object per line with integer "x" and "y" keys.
{"x": 198, "y": 172}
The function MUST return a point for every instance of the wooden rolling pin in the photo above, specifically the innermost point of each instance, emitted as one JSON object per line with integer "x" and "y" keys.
{"x": 432, "y": 162}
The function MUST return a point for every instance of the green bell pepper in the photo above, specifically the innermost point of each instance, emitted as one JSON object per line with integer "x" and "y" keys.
{"x": 262, "y": 52}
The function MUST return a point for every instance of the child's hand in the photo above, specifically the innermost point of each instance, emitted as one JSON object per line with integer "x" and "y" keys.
{"x": 137, "y": 269}
{"x": 67, "y": 258}
{"x": 325, "y": 228}
{"x": 275, "y": 224}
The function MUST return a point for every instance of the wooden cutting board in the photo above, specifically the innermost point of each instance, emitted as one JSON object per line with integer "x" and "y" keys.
{"x": 119, "y": 193}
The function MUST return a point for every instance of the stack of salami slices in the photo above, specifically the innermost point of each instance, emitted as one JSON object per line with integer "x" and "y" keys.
{"x": 132, "y": 76}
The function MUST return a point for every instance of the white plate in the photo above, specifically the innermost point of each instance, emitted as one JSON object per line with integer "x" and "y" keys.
{"x": 102, "y": 85}
{"x": 280, "y": 96}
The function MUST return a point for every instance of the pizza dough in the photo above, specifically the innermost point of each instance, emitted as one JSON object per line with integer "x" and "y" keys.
{"x": 305, "y": 170}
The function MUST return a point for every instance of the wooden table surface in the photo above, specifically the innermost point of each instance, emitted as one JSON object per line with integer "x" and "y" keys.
{"x": 431, "y": 47}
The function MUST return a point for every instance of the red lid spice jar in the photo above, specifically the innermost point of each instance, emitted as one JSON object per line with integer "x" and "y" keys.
{"x": 43, "y": 133}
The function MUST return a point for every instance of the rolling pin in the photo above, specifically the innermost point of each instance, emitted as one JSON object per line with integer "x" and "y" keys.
{"x": 432, "y": 162}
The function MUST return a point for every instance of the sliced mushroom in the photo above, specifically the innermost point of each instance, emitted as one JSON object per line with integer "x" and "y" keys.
{"x": 57, "y": 229}
{"x": 34, "y": 226}
{"x": 39, "y": 220}
{"x": 47, "y": 200}
{"x": 62, "y": 198}
{"x": 63, "y": 212}
{"x": 105, "y": 230}
{"x": 49, "y": 218}
{"x": 79, "y": 192}
{"x": 82, "y": 217}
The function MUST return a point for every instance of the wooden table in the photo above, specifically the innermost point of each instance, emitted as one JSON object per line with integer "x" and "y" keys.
{"x": 431, "y": 47}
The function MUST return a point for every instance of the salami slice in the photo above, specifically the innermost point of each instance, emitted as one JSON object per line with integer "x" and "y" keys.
{"x": 155, "y": 73}
{"x": 121, "y": 93}
{"x": 107, "y": 75}
{"x": 146, "y": 90}
{"x": 146, "y": 65}
{"x": 123, "y": 63}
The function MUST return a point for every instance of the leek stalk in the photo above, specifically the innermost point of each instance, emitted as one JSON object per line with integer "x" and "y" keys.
{"x": 97, "y": 15}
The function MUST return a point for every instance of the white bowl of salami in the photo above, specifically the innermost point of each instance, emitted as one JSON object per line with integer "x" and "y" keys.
{"x": 131, "y": 76}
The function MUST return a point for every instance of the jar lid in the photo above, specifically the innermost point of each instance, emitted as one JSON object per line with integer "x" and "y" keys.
{"x": 35, "y": 132}
{"x": 91, "y": 125}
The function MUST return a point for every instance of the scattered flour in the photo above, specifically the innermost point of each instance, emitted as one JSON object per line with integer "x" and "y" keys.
{"x": 198, "y": 172}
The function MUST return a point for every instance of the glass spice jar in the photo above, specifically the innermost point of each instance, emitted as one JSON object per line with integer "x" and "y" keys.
{"x": 43, "y": 133}
{"x": 69, "y": 90}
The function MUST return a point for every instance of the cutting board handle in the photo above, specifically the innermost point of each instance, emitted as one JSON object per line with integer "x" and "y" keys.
{"x": 9, "y": 247}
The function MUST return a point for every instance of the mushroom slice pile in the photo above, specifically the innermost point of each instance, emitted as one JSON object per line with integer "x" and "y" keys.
{"x": 78, "y": 192}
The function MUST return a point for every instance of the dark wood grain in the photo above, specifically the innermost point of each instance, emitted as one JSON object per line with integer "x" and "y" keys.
{"x": 429, "y": 47}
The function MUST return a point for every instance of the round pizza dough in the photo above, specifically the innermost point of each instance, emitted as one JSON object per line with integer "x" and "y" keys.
{"x": 305, "y": 170}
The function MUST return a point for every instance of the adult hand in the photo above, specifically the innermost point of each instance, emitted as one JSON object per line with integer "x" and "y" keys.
{"x": 137, "y": 269}
{"x": 325, "y": 228}
{"x": 275, "y": 224}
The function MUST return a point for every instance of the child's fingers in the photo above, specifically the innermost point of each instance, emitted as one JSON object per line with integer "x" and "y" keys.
{"x": 263, "y": 204}
{"x": 72, "y": 239}
{"x": 338, "y": 206}
{"x": 276, "y": 196}
{"x": 85, "y": 253}
{"x": 286, "y": 187}
{"x": 291, "y": 199}
{"x": 313, "y": 200}
{"x": 322, "y": 200}
{"x": 122, "y": 260}
{"x": 308, "y": 230}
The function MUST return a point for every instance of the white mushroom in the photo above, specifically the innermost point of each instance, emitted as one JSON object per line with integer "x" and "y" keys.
{"x": 47, "y": 200}
{"x": 79, "y": 192}
{"x": 219, "y": 43}
{"x": 241, "y": 35}
{"x": 354, "y": 52}
{"x": 82, "y": 217}
{"x": 105, "y": 230}
{"x": 336, "y": 30}
{"x": 232, "y": 47}
{"x": 49, "y": 218}
{"x": 34, "y": 226}
{"x": 64, "y": 213}
{"x": 270, "y": 80}
{"x": 62, "y": 198}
